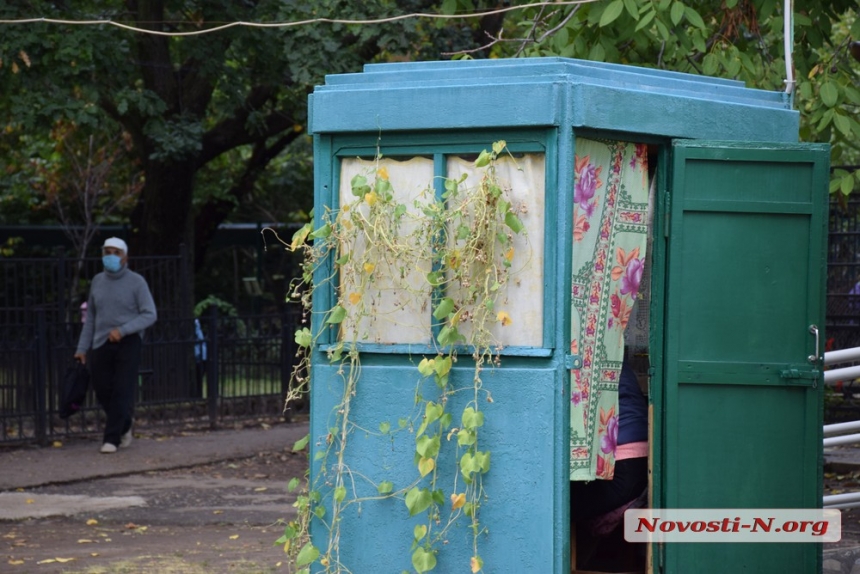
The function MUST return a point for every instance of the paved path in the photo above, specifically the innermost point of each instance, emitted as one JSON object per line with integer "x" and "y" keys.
{"x": 80, "y": 460}
{"x": 30, "y": 467}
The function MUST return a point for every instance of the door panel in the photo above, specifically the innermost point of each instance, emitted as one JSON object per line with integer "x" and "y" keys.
{"x": 745, "y": 280}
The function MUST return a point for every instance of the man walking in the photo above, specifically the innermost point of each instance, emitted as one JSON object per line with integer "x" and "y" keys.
{"x": 119, "y": 309}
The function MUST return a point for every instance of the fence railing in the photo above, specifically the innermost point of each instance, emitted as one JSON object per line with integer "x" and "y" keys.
{"x": 246, "y": 373}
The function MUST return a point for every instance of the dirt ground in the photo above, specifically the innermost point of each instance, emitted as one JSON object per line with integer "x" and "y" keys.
{"x": 212, "y": 519}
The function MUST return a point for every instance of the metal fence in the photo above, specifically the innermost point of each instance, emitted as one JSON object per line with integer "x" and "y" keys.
{"x": 843, "y": 274}
{"x": 249, "y": 358}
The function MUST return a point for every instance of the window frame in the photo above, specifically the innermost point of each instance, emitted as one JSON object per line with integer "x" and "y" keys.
{"x": 439, "y": 146}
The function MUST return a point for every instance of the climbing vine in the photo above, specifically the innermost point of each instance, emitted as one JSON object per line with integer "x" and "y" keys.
{"x": 455, "y": 249}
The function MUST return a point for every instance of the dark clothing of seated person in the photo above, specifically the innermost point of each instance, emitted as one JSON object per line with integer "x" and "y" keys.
{"x": 592, "y": 499}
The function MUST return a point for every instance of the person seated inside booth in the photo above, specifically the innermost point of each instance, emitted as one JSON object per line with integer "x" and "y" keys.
{"x": 597, "y": 507}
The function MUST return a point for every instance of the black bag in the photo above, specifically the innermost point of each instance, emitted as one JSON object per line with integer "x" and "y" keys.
{"x": 74, "y": 391}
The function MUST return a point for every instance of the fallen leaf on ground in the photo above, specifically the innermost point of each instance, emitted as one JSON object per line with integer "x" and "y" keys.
{"x": 64, "y": 560}
{"x": 260, "y": 489}
{"x": 30, "y": 501}
{"x": 47, "y": 561}
{"x": 84, "y": 541}
{"x": 16, "y": 562}
{"x": 94, "y": 554}
{"x": 217, "y": 512}
{"x": 92, "y": 522}
{"x": 234, "y": 537}
{"x": 57, "y": 444}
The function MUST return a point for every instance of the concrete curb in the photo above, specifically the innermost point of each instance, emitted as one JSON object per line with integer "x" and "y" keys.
{"x": 81, "y": 460}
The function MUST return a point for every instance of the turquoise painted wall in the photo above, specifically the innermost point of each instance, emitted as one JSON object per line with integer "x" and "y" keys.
{"x": 522, "y": 426}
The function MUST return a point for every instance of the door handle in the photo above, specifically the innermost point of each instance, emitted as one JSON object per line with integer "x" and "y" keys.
{"x": 814, "y": 358}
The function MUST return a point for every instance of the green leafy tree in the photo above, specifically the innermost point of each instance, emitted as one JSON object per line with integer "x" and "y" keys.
{"x": 206, "y": 115}
{"x": 737, "y": 39}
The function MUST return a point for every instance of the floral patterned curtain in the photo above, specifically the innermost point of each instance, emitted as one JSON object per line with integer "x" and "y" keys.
{"x": 609, "y": 240}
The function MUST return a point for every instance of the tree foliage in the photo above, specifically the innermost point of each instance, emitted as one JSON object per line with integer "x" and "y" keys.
{"x": 205, "y": 115}
{"x": 212, "y": 125}
{"x": 736, "y": 39}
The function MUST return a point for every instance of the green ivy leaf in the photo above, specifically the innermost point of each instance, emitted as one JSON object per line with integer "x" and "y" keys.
{"x": 322, "y": 232}
{"x": 444, "y": 308}
{"x": 293, "y": 484}
{"x": 358, "y": 185}
{"x": 435, "y": 278}
{"x": 420, "y": 531}
{"x": 427, "y": 447}
{"x": 339, "y": 493}
{"x": 307, "y": 554}
{"x": 513, "y": 222}
{"x": 301, "y": 443}
{"x": 418, "y": 500}
{"x": 304, "y": 337}
{"x": 466, "y": 437}
{"x": 472, "y": 419}
{"x": 423, "y": 560}
{"x": 385, "y": 487}
{"x": 338, "y": 314}
{"x": 483, "y": 159}
{"x": 384, "y": 427}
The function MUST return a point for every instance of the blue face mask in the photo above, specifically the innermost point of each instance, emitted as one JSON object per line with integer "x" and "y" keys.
{"x": 112, "y": 263}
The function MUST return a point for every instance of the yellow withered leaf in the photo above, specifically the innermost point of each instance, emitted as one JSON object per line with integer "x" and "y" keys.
{"x": 476, "y": 564}
{"x": 354, "y": 298}
{"x": 382, "y": 173}
{"x": 504, "y": 318}
{"x": 509, "y": 255}
{"x": 371, "y": 198}
{"x": 458, "y": 500}
{"x": 369, "y": 267}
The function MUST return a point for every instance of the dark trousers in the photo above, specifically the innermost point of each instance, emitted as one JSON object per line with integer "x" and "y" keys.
{"x": 113, "y": 371}
{"x": 592, "y": 499}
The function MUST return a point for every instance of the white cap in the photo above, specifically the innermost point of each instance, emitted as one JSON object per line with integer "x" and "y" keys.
{"x": 117, "y": 243}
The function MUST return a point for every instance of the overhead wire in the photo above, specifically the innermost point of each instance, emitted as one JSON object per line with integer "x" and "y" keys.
{"x": 462, "y": 16}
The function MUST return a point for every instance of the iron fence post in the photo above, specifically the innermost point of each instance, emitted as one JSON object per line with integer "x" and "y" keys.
{"x": 213, "y": 359}
{"x": 39, "y": 382}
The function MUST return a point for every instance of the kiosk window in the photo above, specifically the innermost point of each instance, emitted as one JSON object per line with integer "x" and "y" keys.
{"x": 395, "y": 301}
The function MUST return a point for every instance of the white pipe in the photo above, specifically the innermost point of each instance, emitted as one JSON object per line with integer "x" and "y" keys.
{"x": 842, "y": 356}
{"x": 840, "y": 440}
{"x": 843, "y": 374}
{"x": 837, "y": 428}
{"x": 841, "y": 498}
{"x": 788, "y": 37}
{"x": 844, "y": 505}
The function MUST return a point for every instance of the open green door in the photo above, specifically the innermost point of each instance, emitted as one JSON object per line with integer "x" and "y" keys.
{"x": 745, "y": 281}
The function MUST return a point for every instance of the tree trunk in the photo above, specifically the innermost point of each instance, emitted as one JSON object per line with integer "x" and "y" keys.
{"x": 160, "y": 221}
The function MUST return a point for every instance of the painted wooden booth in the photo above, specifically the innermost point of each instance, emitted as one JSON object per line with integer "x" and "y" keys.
{"x": 669, "y": 219}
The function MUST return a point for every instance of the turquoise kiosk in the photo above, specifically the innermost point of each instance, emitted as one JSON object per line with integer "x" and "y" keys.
{"x": 670, "y": 220}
